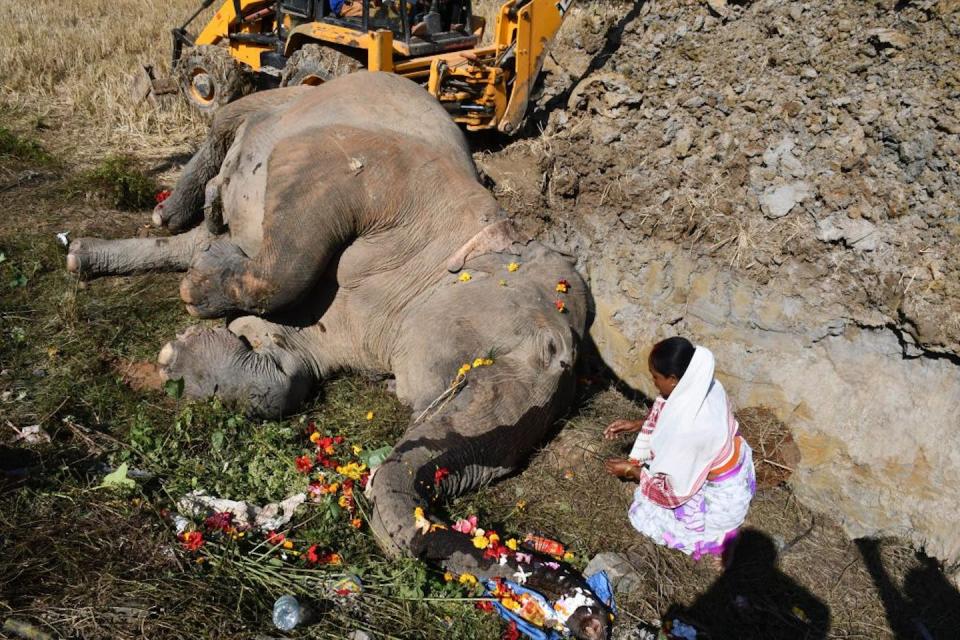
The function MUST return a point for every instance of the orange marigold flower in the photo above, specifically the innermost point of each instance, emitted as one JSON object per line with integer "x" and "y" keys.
{"x": 563, "y": 286}
{"x": 315, "y": 437}
{"x": 356, "y": 523}
{"x": 561, "y": 307}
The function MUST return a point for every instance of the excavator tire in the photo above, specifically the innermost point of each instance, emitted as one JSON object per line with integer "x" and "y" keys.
{"x": 209, "y": 78}
{"x": 314, "y": 64}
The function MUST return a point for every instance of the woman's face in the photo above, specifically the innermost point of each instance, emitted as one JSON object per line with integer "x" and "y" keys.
{"x": 664, "y": 384}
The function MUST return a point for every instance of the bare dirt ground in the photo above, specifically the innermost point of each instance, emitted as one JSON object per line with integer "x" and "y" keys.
{"x": 82, "y": 562}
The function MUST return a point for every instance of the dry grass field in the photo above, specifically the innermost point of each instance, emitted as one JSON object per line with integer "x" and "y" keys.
{"x": 80, "y": 561}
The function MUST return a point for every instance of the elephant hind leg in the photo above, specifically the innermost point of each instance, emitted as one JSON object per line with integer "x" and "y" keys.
{"x": 91, "y": 257}
{"x": 248, "y": 364}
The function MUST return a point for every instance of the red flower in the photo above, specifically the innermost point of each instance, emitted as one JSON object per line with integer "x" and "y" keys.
{"x": 160, "y": 196}
{"x": 484, "y": 605}
{"x": 311, "y": 427}
{"x": 328, "y": 557}
{"x": 511, "y": 632}
{"x": 191, "y": 540}
{"x": 364, "y": 478}
{"x": 304, "y": 464}
{"x": 219, "y": 521}
{"x": 275, "y": 538}
{"x": 561, "y": 307}
{"x": 337, "y": 439}
{"x": 311, "y": 555}
{"x": 439, "y": 475}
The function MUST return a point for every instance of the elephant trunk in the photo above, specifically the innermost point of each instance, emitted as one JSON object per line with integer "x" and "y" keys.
{"x": 472, "y": 441}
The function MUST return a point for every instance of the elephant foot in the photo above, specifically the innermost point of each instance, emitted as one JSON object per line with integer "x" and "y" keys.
{"x": 212, "y": 286}
{"x": 266, "y": 383}
{"x": 84, "y": 259}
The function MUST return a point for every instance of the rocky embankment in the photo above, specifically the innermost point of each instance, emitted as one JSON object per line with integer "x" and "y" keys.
{"x": 779, "y": 181}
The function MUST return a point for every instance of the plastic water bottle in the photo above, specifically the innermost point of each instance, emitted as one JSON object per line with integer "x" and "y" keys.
{"x": 288, "y": 613}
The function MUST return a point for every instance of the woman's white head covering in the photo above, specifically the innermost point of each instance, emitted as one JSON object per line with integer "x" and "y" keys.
{"x": 693, "y": 427}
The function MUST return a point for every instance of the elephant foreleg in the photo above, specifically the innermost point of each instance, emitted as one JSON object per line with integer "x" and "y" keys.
{"x": 308, "y": 217}
{"x": 184, "y": 208}
{"x": 92, "y": 257}
{"x": 253, "y": 364}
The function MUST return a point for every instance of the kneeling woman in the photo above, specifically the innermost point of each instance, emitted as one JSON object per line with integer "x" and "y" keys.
{"x": 694, "y": 470}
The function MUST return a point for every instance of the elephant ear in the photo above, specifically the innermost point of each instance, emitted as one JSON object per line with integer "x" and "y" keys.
{"x": 493, "y": 238}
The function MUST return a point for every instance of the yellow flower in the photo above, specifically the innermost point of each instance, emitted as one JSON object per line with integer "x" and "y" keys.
{"x": 481, "y": 542}
{"x": 344, "y": 502}
{"x": 420, "y": 521}
{"x": 567, "y": 557}
{"x": 487, "y": 362}
{"x": 369, "y": 415}
{"x": 493, "y": 538}
{"x": 478, "y": 362}
{"x": 511, "y": 544}
{"x": 357, "y": 449}
{"x": 447, "y": 576}
{"x": 510, "y": 604}
{"x": 464, "y": 370}
{"x": 466, "y": 578}
{"x": 352, "y": 470}
{"x": 287, "y": 544}
{"x": 521, "y": 504}
{"x": 513, "y": 266}
{"x": 314, "y": 437}
{"x": 465, "y": 277}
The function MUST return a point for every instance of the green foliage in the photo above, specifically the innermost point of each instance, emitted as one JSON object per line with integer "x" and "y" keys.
{"x": 207, "y": 447}
{"x": 22, "y": 149}
{"x": 118, "y": 479}
{"x": 121, "y": 180}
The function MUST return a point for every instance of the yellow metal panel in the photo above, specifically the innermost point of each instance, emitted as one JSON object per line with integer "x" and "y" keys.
{"x": 380, "y": 54}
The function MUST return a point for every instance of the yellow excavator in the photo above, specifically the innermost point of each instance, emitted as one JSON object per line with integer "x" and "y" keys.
{"x": 250, "y": 45}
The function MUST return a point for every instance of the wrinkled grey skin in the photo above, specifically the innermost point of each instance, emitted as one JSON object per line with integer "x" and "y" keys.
{"x": 346, "y": 215}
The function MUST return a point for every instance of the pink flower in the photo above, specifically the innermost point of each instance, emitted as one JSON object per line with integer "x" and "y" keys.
{"x": 467, "y": 526}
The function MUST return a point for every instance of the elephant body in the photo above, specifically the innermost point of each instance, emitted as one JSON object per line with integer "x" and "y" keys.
{"x": 344, "y": 227}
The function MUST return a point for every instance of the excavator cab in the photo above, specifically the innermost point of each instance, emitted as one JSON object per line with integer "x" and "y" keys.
{"x": 424, "y": 26}
{"x": 249, "y": 45}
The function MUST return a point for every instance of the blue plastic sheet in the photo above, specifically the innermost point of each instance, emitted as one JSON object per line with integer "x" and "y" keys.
{"x": 599, "y": 583}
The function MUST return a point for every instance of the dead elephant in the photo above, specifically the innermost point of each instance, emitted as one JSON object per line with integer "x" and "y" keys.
{"x": 351, "y": 216}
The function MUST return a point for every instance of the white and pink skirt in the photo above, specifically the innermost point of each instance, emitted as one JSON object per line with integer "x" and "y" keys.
{"x": 705, "y": 523}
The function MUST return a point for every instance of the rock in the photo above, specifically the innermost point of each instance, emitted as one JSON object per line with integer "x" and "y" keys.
{"x": 622, "y": 573}
{"x": 719, "y": 7}
{"x": 683, "y": 142}
{"x": 776, "y": 202}
{"x": 855, "y": 233}
{"x": 888, "y": 38}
